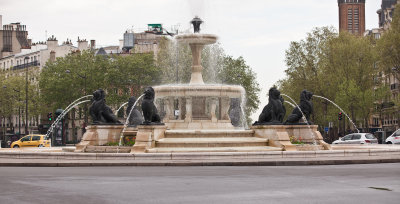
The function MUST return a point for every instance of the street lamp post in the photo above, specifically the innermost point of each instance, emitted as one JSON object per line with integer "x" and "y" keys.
{"x": 26, "y": 94}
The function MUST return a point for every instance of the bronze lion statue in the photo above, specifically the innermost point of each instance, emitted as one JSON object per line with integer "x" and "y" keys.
{"x": 274, "y": 111}
{"x": 150, "y": 113}
{"x": 99, "y": 111}
{"x": 306, "y": 107}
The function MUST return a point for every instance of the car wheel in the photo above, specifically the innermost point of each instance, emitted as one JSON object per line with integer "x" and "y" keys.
{"x": 41, "y": 145}
{"x": 389, "y": 142}
{"x": 16, "y": 146}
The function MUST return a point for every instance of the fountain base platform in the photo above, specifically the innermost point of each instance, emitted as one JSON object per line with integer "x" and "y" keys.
{"x": 97, "y": 135}
{"x": 279, "y": 136}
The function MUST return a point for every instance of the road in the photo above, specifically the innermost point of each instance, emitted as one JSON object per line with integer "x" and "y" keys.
{"x": 368, "y": 183}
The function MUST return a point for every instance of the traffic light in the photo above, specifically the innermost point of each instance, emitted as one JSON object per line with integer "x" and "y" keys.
{"x": 340, "y": 115}
{"x": 50, "y": 116}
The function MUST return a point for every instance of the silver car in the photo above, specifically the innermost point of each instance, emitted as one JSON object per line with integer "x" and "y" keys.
{"x": 357, "y": 138}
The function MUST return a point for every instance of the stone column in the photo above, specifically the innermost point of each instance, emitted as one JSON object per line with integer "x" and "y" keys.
{"x": 188, "y": 117}
{"x": 169, "y": 109}
{"x": 224, "y": 108}
{"x": 180, "y": 105}
{"x": 213, "y": 110}
{"x": 196, "y": 77}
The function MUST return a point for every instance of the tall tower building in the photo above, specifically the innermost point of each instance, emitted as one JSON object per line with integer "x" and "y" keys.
{"x": 352, "y": 16}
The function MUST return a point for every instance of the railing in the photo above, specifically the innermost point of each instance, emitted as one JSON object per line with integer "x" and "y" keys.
{"x": 394, "y": 86}
{"x": 23, "y": 66}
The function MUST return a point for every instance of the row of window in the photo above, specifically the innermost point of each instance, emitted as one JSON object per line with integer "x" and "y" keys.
{"x": 10, "y": 63}
{"x": 386, "y": 121}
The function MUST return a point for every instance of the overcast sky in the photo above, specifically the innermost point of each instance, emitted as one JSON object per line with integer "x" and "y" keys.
{"x": 258, "y": 30}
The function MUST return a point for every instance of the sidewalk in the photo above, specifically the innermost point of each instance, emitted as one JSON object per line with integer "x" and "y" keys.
{"x": 225, "y": 162}
{"x": 53, "y": 157}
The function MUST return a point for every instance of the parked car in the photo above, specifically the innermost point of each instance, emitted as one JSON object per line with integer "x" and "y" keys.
{"x": 357, "y": 138}
{"x": 394, "y": 138}
{"x": 31, "y": 141}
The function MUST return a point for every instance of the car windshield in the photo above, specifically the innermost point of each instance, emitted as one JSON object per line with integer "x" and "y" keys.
{"x": 370, "y": 136}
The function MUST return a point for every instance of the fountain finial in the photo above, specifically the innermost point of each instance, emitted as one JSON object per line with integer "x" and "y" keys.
{"x": 196, "y": 21}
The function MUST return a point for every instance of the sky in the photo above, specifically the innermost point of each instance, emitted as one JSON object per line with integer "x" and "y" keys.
{"x": 258, "y": 30}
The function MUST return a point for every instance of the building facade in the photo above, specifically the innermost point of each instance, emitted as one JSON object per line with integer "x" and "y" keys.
{"x": 352, "y": 16}
{"x": 13, "y": 38}
{"x": 386, "y": 117}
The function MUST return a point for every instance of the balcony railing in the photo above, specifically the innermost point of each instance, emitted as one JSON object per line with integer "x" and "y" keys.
{"x": 394, "y": 86}
{"x": 30, "y": 64}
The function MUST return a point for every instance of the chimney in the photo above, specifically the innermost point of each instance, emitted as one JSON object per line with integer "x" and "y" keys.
{"x": 121, "y": 44}
{"x": 52, "y": 43}
{"x": 82, "y": 44}
{"x": 92, "y": 44}
{"x": 52, "y": 56}
{"x": 1, "y": 22}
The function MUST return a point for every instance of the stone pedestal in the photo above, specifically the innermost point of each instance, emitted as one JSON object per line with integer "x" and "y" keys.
{"x": 279, "y": 135}
{"x": 147, "y": 136}
{"x": 97, "y": 135}
{"x": 307, "y": 134}
{"x": 276, "y": 134}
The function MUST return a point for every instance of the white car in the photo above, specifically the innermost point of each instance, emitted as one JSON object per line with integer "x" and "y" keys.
{"x": 357, "y": 138}
{"x": 394, "y": 138}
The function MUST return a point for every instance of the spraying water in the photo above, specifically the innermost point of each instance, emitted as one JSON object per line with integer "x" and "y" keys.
{"x": 339, "y": 109}
{"x": 304, "y": 117}
{"x": 124, "y": 104}
{"x": 291, "y": 104}
{"x": 127, "y": 121}
{"x": 70, "y": 107}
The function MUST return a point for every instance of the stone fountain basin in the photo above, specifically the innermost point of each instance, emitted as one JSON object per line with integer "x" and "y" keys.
{"x": 197, "y": 38}
{"x": 231, "y": 91}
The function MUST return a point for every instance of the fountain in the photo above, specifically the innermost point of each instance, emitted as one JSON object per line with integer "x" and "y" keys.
{"x": 197, "y": 117}
{"x": 197, "y": 114}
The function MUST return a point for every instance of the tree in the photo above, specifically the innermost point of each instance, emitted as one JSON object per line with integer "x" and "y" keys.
{"x": 12, "y": 97}
{"x": 236, "y": 71}
{"x": 339, "y": 67}
{"x": 78, "y": 74}
{"x": 305, "y": 70}
{"x": 389, "y": 47}
{"x": 349, "y": 66}
{"x": 129, "y": 74}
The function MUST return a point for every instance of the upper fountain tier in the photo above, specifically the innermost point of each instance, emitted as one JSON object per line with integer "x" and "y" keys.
{"x": 196, "y": 42}
{"x": 197, "y": 38}
{"x": 197, "y": 105}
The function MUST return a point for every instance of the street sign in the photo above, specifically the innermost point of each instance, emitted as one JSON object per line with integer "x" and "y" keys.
{"x": 326, "y": 129}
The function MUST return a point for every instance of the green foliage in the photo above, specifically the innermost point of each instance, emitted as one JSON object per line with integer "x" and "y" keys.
{"x": 79, "y": 74}
{"x": 389, "y": 47}
{"x": 340, "y": 67}
{"x": 111, "y": 144}
{"x": 13, "y": 95}
{"x": 235, "y": 71}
